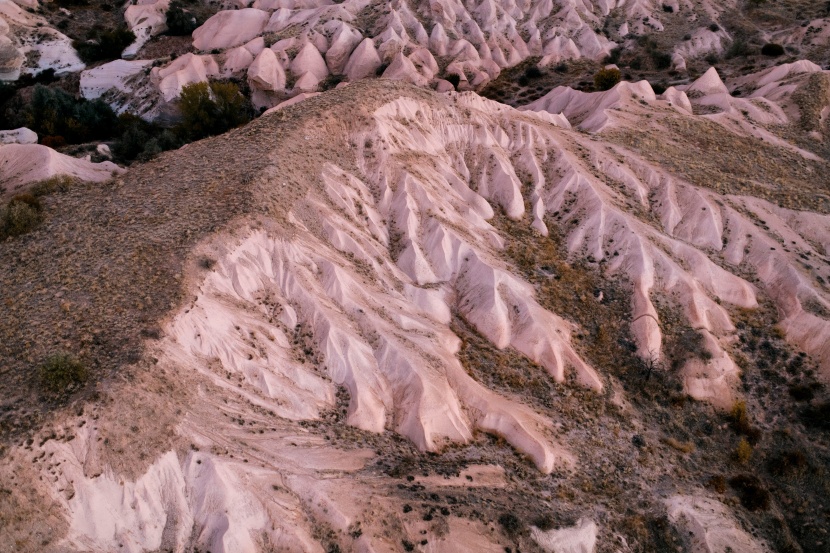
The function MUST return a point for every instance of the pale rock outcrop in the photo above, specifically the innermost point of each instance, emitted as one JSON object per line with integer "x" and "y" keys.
{"x": 266, "y": 73}
{"x": 707, "y": 84}
{"x": 116, "y": 74}
{"x": 363, "y": 62}
{"x": 184, "y": 70}
{"x": 363, "y": 283}
{"x": 402, "y": 69}
{"x": 25, "y": 164}
{"x": 255, "y": 45}
{"x": 145, "y": 18}
{"x": 232, "y": 28}
{"x": 18, "y": 136}
{"x": 42, "y": 47}
{"x": 678, "y": 99}
{"x": 343, "y": 42}
{"x": 592, "y": 111}
{"x": 309, "y": 67}
{"x": 303, "y": 96}
{"x": 581, "y": 538}
{"x": 703, "y": 41}
{"x": 237, "y": 60}
{"x": 711, "y": 527}
{"x": 11, "y": 59}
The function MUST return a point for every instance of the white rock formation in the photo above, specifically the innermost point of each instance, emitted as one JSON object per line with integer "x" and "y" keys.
{"x": 113, "y": 75}
{"x": 18, "y": 136}
{"x": 227, "y": 29}
{"x": 309, "y": 67}
{"x": 711, "y": 526}
{"x": 363, "y": 62}
{"x": 11, "y": 59}
{"x": 145, "y": 18}
{"x": 23, "y": 33}
{"x": 581, "y": 538}
{"x": 184, "y": 70}
{"x": 24, "y": 164}
{"x": 265, "y": 72}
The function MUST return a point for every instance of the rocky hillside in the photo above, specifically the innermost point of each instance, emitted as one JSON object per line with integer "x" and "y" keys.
{"x": 386, "y": 319}
{"x": 479, "y": 276}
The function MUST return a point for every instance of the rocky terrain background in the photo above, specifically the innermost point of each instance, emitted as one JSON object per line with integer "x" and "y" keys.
{"x": 453, "y": 289}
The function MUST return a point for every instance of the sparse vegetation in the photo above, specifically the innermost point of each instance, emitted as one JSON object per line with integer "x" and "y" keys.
{"x": 62, "y": 374}
{"x": 606, "y": 79}
{"x": 743, "y": 453}
{"x": 510, "y": 523}
{"x": 20, "y": 215}
{"x": 140, "y": 140}
{"x": 789, "y": 464}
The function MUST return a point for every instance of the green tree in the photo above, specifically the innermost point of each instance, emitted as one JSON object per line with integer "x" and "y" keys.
{"x": 54, "y": 112}
{"x": 211, "y": 109}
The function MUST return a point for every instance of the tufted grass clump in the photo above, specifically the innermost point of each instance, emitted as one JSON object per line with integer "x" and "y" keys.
{"x": 743, "y": 453}
{"x": 19, "y": 216}
{"x": 62, "y": 374}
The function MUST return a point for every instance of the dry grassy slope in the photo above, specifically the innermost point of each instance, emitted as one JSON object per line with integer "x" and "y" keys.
{"x": 701, "y": 153}
{"x": 105, "y": 267}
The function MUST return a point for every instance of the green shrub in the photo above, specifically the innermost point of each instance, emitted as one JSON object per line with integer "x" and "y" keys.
{"x": 180, "y": 22}
{"x": 661, "y": 60}
{"x": 606, "y": 79}
{"x": 53, "y": 113}
{"x": 753, "y": 495}
{"x": 510, "y": 523}
{"x": 739, "y": 48}
{"x": 141, "y": 140}
{"x": 104, "y": 45}
{"x": 58, "y": 183}
{"x": 789, "y": 463}
{"x": 772, "y": 50}
{"x": 740, "y": 417}
{"x": 19, "y": 216}
{"x": 62, "y": 374}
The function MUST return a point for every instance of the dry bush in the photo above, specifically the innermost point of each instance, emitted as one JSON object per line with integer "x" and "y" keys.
{"x": 606, "y": 79}
{"x": 743, "y": 453}
{"x": 19, "y": 216}
{"x": 753, "y": 495}
{"x": 62, "y": 374}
